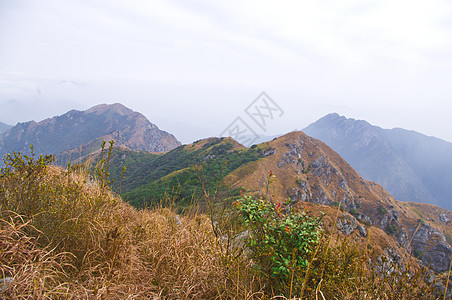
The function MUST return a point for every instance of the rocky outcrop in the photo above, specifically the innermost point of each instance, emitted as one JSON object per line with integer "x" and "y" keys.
{"x": 431, "y": 246}
{"x": 347, "y": 224}
{"x": 292, "y": 157}
{"x": 389, "y": 262}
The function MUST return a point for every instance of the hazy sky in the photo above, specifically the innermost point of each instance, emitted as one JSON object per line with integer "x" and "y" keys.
{"x": 193, "y": 67}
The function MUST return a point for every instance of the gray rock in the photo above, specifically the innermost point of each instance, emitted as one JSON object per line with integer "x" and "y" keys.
{"x": 362, "y": 230}
{"x": 304, "y": 185}
{"x": 347, "y": 224}
{"x": 437, "y": 256}
{"x": 297, "y": 195}
{"x": 389, "y": 262}
{"x": 269, "y": 152}
{"x": 403, "y": 240}
{"x": 443, "y": 218}
{"x": 323, "y": 169}
{"x": 291, "y": 157}
{"x": 429, "y": 277}
{"x": 343, "y": 184}
{"x": 365, "y": 218}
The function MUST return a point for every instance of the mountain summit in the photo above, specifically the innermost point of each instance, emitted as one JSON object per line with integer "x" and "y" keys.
{"x": 76, "y": 128}
{"x": 410, "y": 165}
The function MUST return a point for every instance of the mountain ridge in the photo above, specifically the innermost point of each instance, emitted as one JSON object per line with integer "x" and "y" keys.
{"x": 75, "y": 128}
{"x": 410, "y": 165}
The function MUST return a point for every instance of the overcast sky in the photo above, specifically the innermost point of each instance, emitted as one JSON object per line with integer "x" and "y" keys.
{"x": 193, "y": 67}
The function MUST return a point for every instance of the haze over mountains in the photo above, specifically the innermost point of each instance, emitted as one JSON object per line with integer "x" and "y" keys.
{"x": 410, "y": 165}
{"x": 4, "y": 127}
{"x": 89, "y": 128}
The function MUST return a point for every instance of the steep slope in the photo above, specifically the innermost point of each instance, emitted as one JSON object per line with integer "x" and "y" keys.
{"x": 4, "y": 127}
{"x": 411, "y": 166}
{"x": 307, "y": 170}
{"x": 77, "y": 128}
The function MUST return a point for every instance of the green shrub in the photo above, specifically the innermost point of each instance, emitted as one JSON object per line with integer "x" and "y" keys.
{"x": 353, "y": 211}
{"x": 281, "y": 244}
{"x": 391, "y": 229}
{"x": 382, "y": 210}
{"x": 334, "y": 204}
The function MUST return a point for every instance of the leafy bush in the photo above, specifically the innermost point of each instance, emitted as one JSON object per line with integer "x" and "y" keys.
{"x": 382, "y": 210}
{"x": 353, "y": 211}
{"x": 280, "y": 243}
{"x": 391, "y": 229}
{"x": 335, "y": 204}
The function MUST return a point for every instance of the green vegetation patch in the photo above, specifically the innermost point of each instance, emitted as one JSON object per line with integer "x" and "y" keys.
{"x": 179, "y": 173}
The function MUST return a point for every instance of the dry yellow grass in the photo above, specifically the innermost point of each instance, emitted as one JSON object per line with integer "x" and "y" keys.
{"x": 85, "y": 243}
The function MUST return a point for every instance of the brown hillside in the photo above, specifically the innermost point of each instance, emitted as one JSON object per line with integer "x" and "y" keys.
{"x": 307, "y": 170}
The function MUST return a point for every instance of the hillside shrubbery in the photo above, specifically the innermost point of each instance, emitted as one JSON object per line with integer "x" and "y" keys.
{"x": 173, "y": 175}
{"x": 64, "y": 234}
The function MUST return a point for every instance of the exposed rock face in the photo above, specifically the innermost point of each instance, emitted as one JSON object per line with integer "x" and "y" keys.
{"x": 443, "y": 218}
{"x": 433, "y": 245}
{"x": 390, "y": 261}
{"x": 362, "y": 230}
{"x": 293, "y": 156}
{"x": 77, "y": 128}
{"x": 347, "y": 224}
{"x": 411, "y": 166}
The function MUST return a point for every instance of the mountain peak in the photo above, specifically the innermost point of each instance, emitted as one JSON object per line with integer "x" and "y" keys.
{"x": 335, "y": 118}
{"x": 77, "y": 128}
{"x": 115, "y": 107}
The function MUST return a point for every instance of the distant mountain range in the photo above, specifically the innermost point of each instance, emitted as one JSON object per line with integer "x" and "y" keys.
{"x": 4, "y": 127}
{"x": 410, "y": 165}
{"x": 85, "y": 130}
